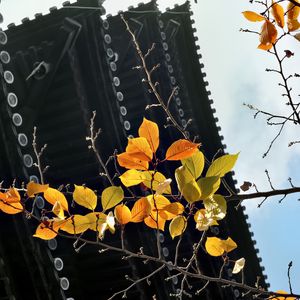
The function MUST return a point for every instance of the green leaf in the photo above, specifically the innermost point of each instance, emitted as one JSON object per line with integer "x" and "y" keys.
{"x": 208, "y": 186}
{"x": 194, "y": 164}
{"x": 216, "y": 207}
{"x": 177, "y": 226}
{"x": 85, "y": 197}
{"x": 111, "y": 196}
{"x": 182, "y": 176}
{"x": 222, "y": 165}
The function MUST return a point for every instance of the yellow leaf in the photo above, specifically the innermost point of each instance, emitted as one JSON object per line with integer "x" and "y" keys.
{"x": 216, "y": 207}
{"x": 293, "y": 11}
{"x": 164, "y": 187}
{"x": 253, "y": 16}
{"x": 222, "y": 165}
{"x": 158, "y": 202}
{"x": 85, "y": 197}
{"x": 52, "y": 196}
{"x": 139, "y": 148}
{"x": 182, "y": 176}
{"x": 268, "y": 34}
{"x": 293, "y": 25}
{"x": 132, "y": 177}
{"x": 141, "y": 209}
{"x": 177, "y": 226}
{"x": 149, "y": 130}
{"x": 208, "y": 186}
{"x": 110, "y": 221}
{"x": 111, "y": 196}
{"x": 278, "y": 14}
{"x": 96, "y": 220}
{"x": 181, "y": 149}
{"x": 191, "y": 191}
{"x": 58, "y": 210}
{"x": 194, "y": 164}
{"x": 49, "y": 229}
{"x": 35, "y": 188}
{"x": 11, "y": 208}
{"x": 153, "y": 179}
{"x": 76, "y": 224}
{"x": 129, "y": 162}
{"x": 282, "y": 298}
{"x": 203, "y": 222}
{"x": 228, "y": 245}
{"x": 155, "y": 221}
{"x": 239, "y": 265}
{"x": 171, "y": 210}
{"x": 214, "y": 246}
{"x": 122, "y": 214}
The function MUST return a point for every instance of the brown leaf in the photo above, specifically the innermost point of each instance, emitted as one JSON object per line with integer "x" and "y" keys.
{"x": 245, "y": 186}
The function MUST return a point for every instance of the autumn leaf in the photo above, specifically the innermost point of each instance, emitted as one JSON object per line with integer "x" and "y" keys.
{"x": 183, "y": 176}
{"x": 49, "y": 229}
{"x": 239, "y": 265}
{"x": 164, "y": 187}
{"x": 194, "y": 164}
{"x": 228, "y": 245}
{"x": 153, "y": 179}
{"x": 111, "y": 196}
{"x": 139, "y": 148}
{"x": 216, "y": 207}
{"x": 76, "y": 224}
{"x": 208, "y": 186}
{"x": 278, "y": 14}
{"x": 158, "y": 202}
{"x": 12, "y": 196}
{"x": 181, "y": 149}
{"x": 155, "y": 221}
{"x": 52, "y": 196}
{"x": 132, "y": 177}
{"x": 96, "y": 220}
{"x": 293, "y": 25}
{"x": 283, "y": 297}
{"x": 203, "y": 221}
{"x": 222, "y": 165}
{"x": 293, "y": 11}
{"x": 85, "y": 197}
{"x": 127, "y": 161}
{"x": 171, "y": 210}
{"x": 177, "y": 226}
{"x": 268, "y": 35}
{"x": 11, "y": 208}
{"x": 140, "y": 210}
{"x": 35, "y": 188}
{"x": 297, "y": 37}
{"x": 191, "y": 191}
{"x": 253, "y": 16}
{"x": 58, "y": 210}
{"x": 122, "y": 214}
{"x": 216, "y": 247}
{"x": 149, "y": 130}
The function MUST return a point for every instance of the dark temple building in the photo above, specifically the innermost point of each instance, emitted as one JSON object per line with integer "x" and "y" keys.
{"x": 55, "y": 71}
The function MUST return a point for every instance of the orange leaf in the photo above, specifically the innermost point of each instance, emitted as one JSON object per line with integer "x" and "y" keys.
{"x": 48, "y": 230}
{"x": 268, "y": 35}
{"x": 76, "y": 224}
{"x": 155, "y": 221}
{"x": 53, "y": 195}
{"x": 35, "y": 188}
{"x": 149, "y": 130}
{"x": 171, "y": 211}
{"x": 293, "y": 11}
{"x": 127, "y": 161}
{"x": 293, "y": 25}
{"x": 265, "y": 47}
{"x": 181, "y": 149}
{"x": 283, "y": 297}
{"x": 11, "y": 208}
{"x": 278, "y": 14}
{"x": 253, "y": 16}
{"x": 141, "y": 209}
{"x": 122, "y": 214}
{"x": 139, "y": 148}
{"x": 12, "y": 196}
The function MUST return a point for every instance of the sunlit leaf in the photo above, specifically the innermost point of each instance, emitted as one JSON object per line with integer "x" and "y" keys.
{"x": 149, "y": 130}
{"x": 132, "y": 177}
{"x": 11, "y": 208}
{"x": 216, "y": 207}
{"x": 139, "y": 148}
{"x": 253, "y": 16}
{"x": 229, "y": 245}
{"x": 164, "y": 187}
{"x": 122, "y": 214}
{"x": 85, "y": 197}
{"x": 182, "y": 176}
{"x": 278, "y": 14}
{"x": 283, "y": 297}
{"x": 268, "y": 35}
{"x": 158, "y": 202}
{"x": 129, "y": 162}
{"x": 76, "y": 224}
{"x": 111, "y": 196}
{"x": 110, "y": 221}
{"x": 194, "y": 164}
{"x": 96, "y": 220}
{"x": 222, "y": 165}
{"x": 265, "y": 47}
{"x": 239, "y": 265}
{"x": 49, "y": 229}
{"x": 155, "y": 221}
{"x": 177, "y": 226}
{"x": 141, "y": 209}
{"x": 216, "y": 247}
{"x": 181, "y": 149}
{"x": 12, "y": 196}
{"x": 191, "y": 191}
{"x": 153, "y": 179}
{"x": 52, "y": 196}
{"x": 203, "y": 222}
{"x": 171, "y": 210}
{"x": 293, "y": 25}
{"x": 58, "y": 210}
{"x": 35, "y": 188}
{"x": 293, "y": 11}
{"x": 208, "y": 186}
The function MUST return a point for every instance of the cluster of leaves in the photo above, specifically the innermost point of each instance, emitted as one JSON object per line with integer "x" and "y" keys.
{"x": 279, "y": 17}
{"x": 157, "y": 206}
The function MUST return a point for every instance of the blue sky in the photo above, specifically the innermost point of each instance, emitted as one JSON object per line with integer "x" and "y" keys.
{"x": 235, "y": 72}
